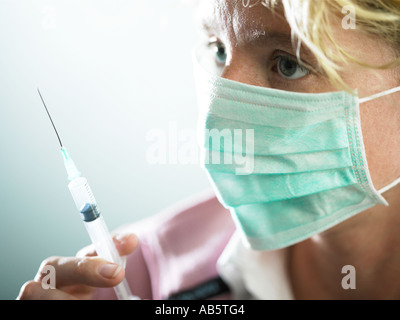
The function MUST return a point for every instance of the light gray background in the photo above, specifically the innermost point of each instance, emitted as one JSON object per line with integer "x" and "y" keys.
{"x": 110, "y": 72}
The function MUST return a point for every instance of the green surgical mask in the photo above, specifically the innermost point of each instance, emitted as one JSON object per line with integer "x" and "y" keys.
{"x": 287, "y": 165}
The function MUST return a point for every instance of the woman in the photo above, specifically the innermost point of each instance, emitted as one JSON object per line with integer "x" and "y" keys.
{"x": 307, "y": 84}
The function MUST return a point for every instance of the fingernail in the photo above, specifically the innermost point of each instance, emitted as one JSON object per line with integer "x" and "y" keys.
{"x": 122, "y": 237}
{"x": 109, "y": 271}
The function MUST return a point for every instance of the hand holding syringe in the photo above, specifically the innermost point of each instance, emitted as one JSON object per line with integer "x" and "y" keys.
{"x": 93, "y": 220}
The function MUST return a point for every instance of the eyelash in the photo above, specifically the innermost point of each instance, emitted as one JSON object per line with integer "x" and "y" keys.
{"x": 291, "y": 59}
{"x": 215, "y": 43}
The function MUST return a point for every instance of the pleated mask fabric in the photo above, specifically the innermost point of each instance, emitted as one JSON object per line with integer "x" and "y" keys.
{"x": 287, "y": 165}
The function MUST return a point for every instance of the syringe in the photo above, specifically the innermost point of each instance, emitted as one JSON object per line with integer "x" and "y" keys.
{"x": 93, "y": 220}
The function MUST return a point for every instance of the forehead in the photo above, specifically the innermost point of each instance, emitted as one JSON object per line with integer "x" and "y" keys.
{"x": 240, "y": 21}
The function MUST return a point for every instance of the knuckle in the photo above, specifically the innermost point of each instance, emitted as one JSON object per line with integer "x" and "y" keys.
{"x": 28, "y": 290}
{"x": 44, "y": 266}
{"x": 84, "y": 266}
{"x": 50, "y": 261}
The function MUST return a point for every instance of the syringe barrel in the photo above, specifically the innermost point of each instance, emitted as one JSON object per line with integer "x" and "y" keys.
{"x": 98, "y": 231}
{"x": 81, "y": 193}
{"x": 102, "y": 241}
{"x": 94, "y": 223}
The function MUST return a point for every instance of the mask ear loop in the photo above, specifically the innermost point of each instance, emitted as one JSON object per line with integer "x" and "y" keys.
{"x": 373, "y": 97}
{"x": 390, "y": 186}
{"x": 378, "y": 95}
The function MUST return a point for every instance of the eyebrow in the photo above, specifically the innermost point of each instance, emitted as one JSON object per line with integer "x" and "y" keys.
{"x": 259, "y": 36}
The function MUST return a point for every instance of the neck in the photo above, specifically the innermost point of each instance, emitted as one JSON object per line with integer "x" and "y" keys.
{"x": 369, "y": 242}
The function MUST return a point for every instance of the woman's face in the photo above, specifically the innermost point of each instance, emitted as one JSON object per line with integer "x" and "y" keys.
{"x": 254, "y": 46}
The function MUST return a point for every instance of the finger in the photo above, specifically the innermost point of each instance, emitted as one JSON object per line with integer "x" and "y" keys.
{"x": 91, "y": 271}
{"x": 88, "y": 251}
{"x": 125, "y": 245}
{"x": 33, "y": 290}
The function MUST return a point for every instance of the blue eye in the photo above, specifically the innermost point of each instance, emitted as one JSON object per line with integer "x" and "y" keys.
{"x": 290, "y": 69}
{"x": 219, "y": 51}
{"x": 220, "y": 54}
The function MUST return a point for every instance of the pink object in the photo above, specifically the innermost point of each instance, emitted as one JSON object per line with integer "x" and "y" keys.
{"x": 179, "y": 248}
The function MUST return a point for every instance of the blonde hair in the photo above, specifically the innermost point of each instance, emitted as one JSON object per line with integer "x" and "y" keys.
{"x": 311, "y": 22}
